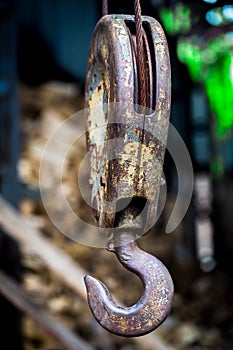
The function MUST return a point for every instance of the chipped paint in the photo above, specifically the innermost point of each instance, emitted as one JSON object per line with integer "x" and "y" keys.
{"x": 137, "y": 169}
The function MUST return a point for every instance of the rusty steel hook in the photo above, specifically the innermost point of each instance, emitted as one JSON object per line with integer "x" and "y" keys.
{"x": 153, "y": 306}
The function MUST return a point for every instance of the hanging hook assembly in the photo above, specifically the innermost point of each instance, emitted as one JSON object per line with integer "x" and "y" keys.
{"x": 155, "y": 303}
{"x": 126, "y": 143}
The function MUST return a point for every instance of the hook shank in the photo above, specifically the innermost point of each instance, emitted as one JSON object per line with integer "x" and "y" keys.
{"x": 153, "y": 306}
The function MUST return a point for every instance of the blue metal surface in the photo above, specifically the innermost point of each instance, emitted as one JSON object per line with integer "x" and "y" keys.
{"x": 66, "y": 27}
{"x": 9, "y": 131}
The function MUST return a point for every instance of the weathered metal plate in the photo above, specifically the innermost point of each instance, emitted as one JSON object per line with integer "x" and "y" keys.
{"x": 126, "y": 147}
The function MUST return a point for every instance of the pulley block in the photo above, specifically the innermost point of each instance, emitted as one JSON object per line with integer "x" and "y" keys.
{"x": 126, "y": 141}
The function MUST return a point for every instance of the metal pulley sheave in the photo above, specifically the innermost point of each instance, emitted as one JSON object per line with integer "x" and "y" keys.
{"x": 126, "y": 142}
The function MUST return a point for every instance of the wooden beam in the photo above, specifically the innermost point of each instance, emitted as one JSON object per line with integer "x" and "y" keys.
{"x": 30, "y": 238}
{"x": 17, "y": 296}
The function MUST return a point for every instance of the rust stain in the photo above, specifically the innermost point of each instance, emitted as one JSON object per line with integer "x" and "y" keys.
{"x": 110, "y": 75}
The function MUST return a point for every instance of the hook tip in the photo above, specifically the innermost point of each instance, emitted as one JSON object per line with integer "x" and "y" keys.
{"x": 92, "y": 284}
{"x": 97, "y": 293}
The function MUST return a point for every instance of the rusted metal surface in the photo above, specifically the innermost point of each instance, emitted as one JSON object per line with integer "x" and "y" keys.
{"x": 155, "y": 302}
{"x": 126, "y": 143}
{"x": 133, "y": 164}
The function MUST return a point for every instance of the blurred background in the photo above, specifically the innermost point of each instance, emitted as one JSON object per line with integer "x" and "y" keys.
{"x": 44, "y": 50}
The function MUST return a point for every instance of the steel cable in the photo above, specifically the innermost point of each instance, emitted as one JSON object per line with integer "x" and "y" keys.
{"x": 140, "y": 54}
{"x": 104, "y": 7}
